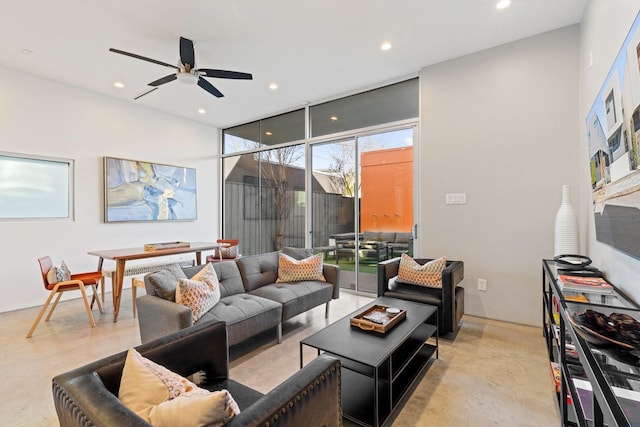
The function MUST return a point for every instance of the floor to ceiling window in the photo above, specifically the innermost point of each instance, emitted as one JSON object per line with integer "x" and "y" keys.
{"x": 362, "y": 186}
{"x": 360, "y": 179}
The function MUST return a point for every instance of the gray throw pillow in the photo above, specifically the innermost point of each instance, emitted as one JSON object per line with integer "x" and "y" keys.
{"x": 163, "y": 283}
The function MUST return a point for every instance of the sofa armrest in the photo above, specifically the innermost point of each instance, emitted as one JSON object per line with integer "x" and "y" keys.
{"x": 87, "y": 396}
{"x": 310, "y": 396}
{"x": 158, "y": 317}
{"x": 387, "y": 270}
{"x": 331, "y": 274}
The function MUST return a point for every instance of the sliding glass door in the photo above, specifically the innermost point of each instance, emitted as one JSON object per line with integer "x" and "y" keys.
{"x": 362, "y": 198}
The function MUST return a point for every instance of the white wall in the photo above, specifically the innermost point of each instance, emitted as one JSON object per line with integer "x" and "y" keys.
{"x": 42, "y": 117}
{"x": 605, "y": 25}
{"x": 501, "y": 126}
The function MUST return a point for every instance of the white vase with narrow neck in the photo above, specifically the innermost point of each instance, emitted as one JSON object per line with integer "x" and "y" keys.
{"x": 566, "y": 228}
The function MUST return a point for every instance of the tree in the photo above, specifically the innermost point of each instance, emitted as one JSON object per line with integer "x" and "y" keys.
{"x": 342, "y": 167}
{"x": 274, "y": 167}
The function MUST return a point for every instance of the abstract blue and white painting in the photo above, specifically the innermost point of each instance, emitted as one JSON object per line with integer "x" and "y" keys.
{"x": 144, "y": 191}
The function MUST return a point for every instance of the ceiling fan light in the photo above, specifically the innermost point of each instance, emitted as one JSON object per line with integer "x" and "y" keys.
{"x": 187, "y": 78}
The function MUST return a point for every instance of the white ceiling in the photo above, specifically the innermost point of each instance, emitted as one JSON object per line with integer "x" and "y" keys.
{"x": 312, "y": 50}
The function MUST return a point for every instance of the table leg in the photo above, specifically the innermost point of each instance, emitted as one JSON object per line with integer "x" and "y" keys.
{"x": 198, "y": 258}
{"x": 117, "y": 288}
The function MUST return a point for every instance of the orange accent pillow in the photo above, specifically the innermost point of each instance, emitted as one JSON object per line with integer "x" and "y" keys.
{"x": 429, "y": 274}
{"x": 293, "y": 270}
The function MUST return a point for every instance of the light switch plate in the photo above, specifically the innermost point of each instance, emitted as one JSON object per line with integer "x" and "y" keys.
{"x": 456, "y": 198}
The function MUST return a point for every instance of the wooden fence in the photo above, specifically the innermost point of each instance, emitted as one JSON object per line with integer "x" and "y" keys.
{"x": 250, "y": 216}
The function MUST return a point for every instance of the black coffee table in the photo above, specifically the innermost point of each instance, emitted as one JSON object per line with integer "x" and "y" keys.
{"x": 379, "y": 369}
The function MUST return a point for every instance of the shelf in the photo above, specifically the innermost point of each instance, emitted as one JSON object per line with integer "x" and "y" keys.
{"x": 357, "y": 395}
{"x": 404, "y": 354}
{"x": 606, "y": 383}
{"x": 414, "y": 371}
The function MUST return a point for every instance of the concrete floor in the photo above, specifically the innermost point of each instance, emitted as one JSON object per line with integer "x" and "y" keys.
{"x": 492, "y": 374}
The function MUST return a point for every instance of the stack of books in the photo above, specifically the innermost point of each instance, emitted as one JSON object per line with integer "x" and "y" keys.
{"x": 580, "y": 284}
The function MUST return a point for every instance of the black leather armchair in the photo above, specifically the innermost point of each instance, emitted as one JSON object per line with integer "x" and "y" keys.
{"x": 87, "y": 396}
{"x": 449, "y": 299}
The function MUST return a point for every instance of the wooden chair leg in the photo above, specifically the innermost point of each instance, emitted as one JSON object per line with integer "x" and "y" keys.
{"x": 95, "y": 297}
{"x": 102, "y": 288}
{"x": 87, "y": 306}
{"x": 41, "y": 313}
{"x": 53, "y": 307}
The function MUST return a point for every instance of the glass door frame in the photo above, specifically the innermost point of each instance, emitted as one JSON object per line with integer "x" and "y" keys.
{"x": 355, "y": 136}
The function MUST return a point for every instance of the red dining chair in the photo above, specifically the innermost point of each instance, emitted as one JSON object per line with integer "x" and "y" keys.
{"x": 229, "y": 250}
{"x": 77, "y": 281}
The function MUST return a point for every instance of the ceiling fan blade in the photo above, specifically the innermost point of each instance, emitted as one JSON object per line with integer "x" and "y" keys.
{"x": 144, "y": 93}
{"x": 133, "y": 55}
{"x": 225, "y": 74}
{"x": 187, "y": 55}
{"x": 209, "y": 88}
{"x": 165, "y": 79}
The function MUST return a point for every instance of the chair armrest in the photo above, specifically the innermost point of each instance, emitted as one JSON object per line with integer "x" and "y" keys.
{"x": 311, "y": 396}
{"x": 331, "y": 274}
{"x": 83, "y": 400}
{"x": 158, "y": 317}
{"x": 387, "y": 270}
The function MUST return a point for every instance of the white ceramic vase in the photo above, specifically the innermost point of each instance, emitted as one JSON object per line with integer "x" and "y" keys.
{"x": 566, "y": 227}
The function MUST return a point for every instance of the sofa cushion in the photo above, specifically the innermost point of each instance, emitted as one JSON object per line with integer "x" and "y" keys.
{"x": 406, "y": 291}
{"x": 296, "y": 297}
{"x": 387, "y": 236}
{"x": 228, "y": 277}
{"x": 403, "y": 237}
{"x": 298, "y": 253}
{"x": 163, "y": 283}
{"x": 293, "y": 270}
{"x": 371, "y": 236}
{"x": 429, "y": 274}
{"x": 258, "y": 270}
{"x": 245, "y": 315}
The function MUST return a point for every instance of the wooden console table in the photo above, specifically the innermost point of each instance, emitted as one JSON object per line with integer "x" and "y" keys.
{"x": 121, "y": 256}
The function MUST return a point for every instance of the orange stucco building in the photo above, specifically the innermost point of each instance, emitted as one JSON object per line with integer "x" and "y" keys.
{"x": 387, "y": 190}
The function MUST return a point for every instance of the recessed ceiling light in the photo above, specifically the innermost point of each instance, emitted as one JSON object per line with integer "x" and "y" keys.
{"x": 385, "y": 46}
{"x": 503, "y": 4}
{"x": 268, "y": 133}
{"x": 273, "y": 86}
{"x": 202, "y": 110}
{"x": 27, "y": 52}
{"x": 119, "y": 85}
{"x": 334, "y": 118}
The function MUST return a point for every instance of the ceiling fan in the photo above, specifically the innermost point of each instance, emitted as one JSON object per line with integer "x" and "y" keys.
{"x": 186, "y": 70}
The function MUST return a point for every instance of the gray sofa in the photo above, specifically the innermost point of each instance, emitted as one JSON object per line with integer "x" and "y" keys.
{"x": 88, "y": 396}
{"x": 251, "y": 302}
{"x": 373, "y": 245}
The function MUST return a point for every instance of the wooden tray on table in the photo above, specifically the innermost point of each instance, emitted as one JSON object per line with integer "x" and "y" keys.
{"x": 375, "y": 318}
